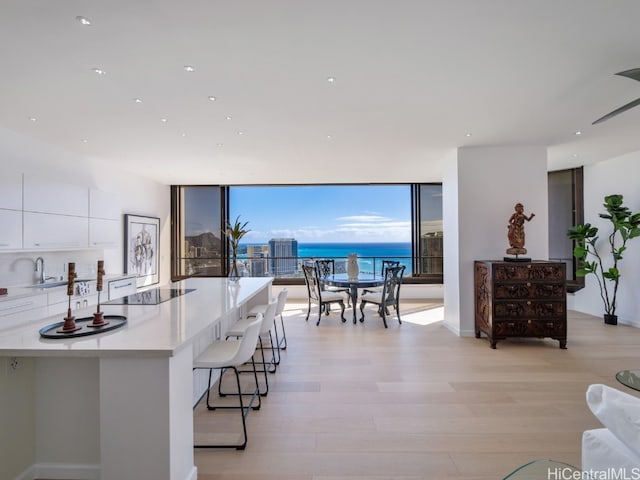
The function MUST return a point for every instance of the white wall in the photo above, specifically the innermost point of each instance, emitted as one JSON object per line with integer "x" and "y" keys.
{"x": 480, "y": 192}
{"x": 136, "y": 195}
{"x": 618, "y": 175}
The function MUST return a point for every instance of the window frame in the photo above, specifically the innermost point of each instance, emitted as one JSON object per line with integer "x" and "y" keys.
{"x": 574, "y": 283}
{"x": 176, "y": 207}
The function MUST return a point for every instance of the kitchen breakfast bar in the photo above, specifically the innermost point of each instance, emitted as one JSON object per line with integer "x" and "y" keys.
{"x": 119, "y": 404}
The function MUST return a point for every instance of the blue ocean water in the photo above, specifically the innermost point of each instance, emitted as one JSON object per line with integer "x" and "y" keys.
{"x": 370, "y": 255}
{"x": 342, "y": 250}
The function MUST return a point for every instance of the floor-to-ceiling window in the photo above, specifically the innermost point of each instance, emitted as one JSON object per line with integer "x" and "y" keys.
{"x": 428, "y": 232}
{"x": 289, "y": 225}
{"x": 323, "y": 221}
{"x": 197, "y": 219}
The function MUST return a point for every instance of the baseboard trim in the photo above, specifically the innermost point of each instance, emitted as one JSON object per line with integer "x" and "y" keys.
{"x": 73, "y": 472}
{"x": 61, "y": 471}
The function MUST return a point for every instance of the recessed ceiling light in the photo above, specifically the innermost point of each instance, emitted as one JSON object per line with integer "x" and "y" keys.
{"x": 83, "y": 20}
{"x": 575, "y": 155}
{"x": 33, "y": 119}
{"x": 229, "y": 117}
{"x": 183, "y": 134}
{"x": 99, "y": 71}
{"x": 137, "y": 100}
{"x": 578, "y": 133}
{"x": 212, "y": 98}
{"x": 331, "y": 79}
{"x": 164, "y": 120}
{"x": 329, "y": 137}
{"x": 468, "y": 134}
{"x": 189, "y": 68}
{"x": 84, "y": 140}
{"x": 240, "y": 132}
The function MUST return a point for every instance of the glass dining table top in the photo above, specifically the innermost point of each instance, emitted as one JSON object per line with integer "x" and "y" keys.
{"x": 629, "y": 378}
{"x": 363, "y": 280}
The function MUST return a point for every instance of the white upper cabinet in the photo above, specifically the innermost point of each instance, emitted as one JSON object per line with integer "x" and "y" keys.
{"x": 104, "y": 205}
{"x": 55, "y": 232}
{"x": 104, "y": 233}
{"x": 47, "y": 196}
{"x": 11, "y": 191}
{"x": 11, "y": 230}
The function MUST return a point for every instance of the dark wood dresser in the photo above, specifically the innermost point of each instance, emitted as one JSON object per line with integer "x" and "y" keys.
{"x": 520, "y": 299}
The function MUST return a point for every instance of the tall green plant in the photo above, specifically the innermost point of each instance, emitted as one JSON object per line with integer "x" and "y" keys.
{"x": 625, "y": 226}
{"x": 234, "y": 233}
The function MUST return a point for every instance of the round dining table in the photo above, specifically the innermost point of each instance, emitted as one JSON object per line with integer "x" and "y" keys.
{"x": 364, "y": 280}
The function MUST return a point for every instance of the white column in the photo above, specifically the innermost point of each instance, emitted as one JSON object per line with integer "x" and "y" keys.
{"x": 480, "y": 188}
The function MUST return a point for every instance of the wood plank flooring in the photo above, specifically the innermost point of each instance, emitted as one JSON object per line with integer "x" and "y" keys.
{"x": 416, "y": 402}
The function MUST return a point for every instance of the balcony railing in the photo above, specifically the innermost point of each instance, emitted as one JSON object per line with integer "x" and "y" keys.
{"x": 427, "y": 267}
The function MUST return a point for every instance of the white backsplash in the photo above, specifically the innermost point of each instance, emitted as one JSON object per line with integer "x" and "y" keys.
{"x": 19, "y": 268}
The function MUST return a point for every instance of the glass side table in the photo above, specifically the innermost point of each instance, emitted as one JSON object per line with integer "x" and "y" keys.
{"x": 544, "y": 470}
{"x": 629, "y": 378}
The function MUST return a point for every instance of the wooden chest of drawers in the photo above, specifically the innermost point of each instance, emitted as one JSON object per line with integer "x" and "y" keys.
{"x": 520, "y": 299}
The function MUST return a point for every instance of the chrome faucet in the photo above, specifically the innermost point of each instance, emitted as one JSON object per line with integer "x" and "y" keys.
{"x": 40, "y": 269}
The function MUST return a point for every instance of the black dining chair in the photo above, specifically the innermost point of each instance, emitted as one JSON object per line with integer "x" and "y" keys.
{"x": 385, "y": 264}
{"x": 326, "y": 267}
{"x": 318, "y": 296}
{"x": 389, "y": 296}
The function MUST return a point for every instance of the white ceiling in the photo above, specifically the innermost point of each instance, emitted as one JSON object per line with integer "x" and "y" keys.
{"x": 412, "y": 78}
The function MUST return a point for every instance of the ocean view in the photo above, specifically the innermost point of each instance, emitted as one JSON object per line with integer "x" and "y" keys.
{"x": 367, "y": 253}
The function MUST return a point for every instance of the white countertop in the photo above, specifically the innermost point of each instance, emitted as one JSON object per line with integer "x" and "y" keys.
{"x": 151, "y": 330}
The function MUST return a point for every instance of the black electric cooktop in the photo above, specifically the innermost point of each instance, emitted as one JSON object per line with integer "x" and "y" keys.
{"x": 150, "y": 297}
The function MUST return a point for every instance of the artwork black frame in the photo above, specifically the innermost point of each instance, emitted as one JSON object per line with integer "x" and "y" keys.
{"x": 142, "y": 248}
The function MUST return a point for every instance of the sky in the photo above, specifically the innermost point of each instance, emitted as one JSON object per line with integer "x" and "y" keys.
{"x": 324, "y": 213}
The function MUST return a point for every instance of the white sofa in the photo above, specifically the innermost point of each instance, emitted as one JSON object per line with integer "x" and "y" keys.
{"x": 617, "y": 446}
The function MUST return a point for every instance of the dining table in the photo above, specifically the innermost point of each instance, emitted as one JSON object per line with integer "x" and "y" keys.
{"x": 363, "y": 280}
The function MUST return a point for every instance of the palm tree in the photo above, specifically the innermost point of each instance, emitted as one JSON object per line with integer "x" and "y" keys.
{"x": 234, "y": 232}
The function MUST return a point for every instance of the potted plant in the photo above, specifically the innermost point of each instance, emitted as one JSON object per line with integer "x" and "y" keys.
{"x": 234, "y": 232}
{"x": 624, "y": 227}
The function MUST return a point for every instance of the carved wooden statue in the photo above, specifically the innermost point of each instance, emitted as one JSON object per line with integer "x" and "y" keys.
{"x": 515, "y": 230}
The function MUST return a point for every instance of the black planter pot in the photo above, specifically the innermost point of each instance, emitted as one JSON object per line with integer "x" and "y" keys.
{"x": 610, "y": 319}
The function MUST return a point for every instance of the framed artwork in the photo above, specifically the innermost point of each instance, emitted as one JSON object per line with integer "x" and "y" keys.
{"x": 142, "y": 248}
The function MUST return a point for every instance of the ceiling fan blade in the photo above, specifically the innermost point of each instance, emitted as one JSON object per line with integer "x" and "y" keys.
{"x": 634, "y": 74}
{"x": 618, "y": 111}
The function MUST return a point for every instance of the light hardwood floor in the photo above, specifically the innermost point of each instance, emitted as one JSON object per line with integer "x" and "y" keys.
{"x": 415, "y": 401}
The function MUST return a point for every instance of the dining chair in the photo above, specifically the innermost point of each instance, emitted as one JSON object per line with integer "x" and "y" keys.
{"x": 316, "y": 295}
{"x": 385, "y": 264}
{"x": 226, "y": 355}
{"x": 389, "y": 296}
{"x": 326, "y": 267}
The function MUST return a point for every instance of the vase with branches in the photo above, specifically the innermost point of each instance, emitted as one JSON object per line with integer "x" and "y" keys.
{"x": 625, "y": 225}
{"x": 234, "y": 233}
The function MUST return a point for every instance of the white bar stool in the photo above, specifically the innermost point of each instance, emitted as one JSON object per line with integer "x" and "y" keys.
{"x": 237, "y": 330}
{"x": 282, "y": 301}
{"x": 230, "y": 354}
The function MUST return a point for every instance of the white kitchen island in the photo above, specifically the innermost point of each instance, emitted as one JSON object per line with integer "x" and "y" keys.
{"x": 118, "y": 405}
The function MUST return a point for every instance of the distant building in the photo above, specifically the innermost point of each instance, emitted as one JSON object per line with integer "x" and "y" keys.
{"x": 258, "y": 258}
{"x": 284, "y": 256}
{"x": 432, "y": 253}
